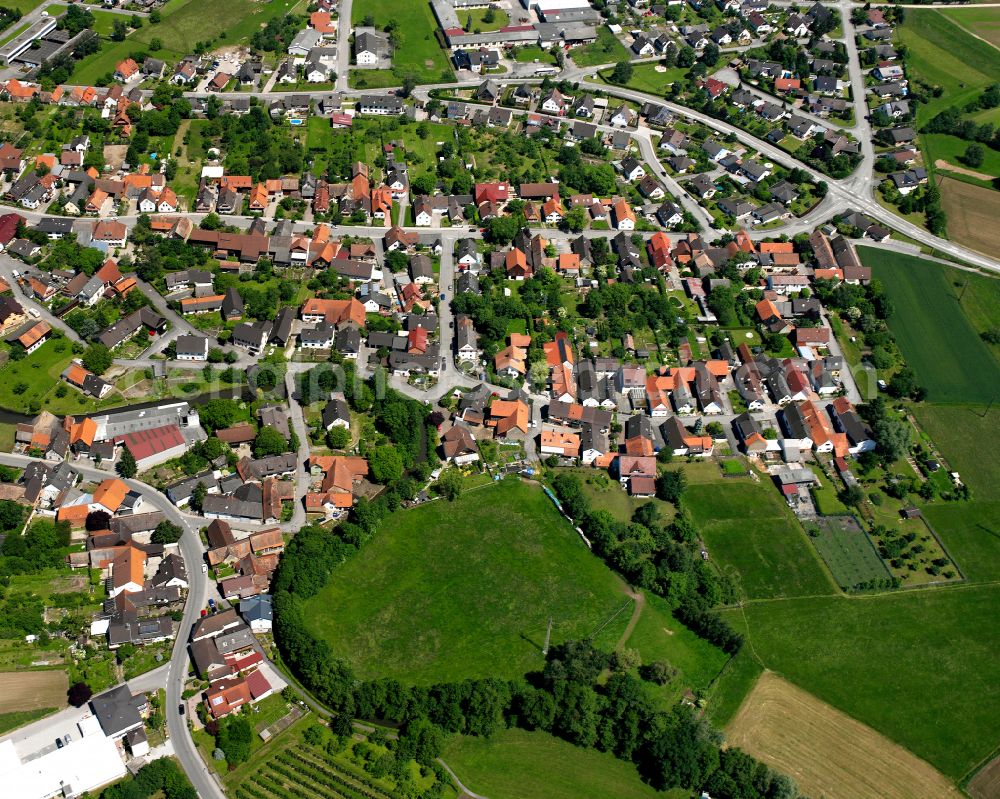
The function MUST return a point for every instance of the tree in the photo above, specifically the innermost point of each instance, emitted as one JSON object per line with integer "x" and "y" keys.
{"x": 659, "y": 672}
{"x": 622, "y": 73}
{"x": 198, "y": 494}
{"x": 126, "y": 466}
{"x": 409, "y": 84}
{"x": 79, "y": 694}
{"x": 710, "y": 55}
{"x": 450, "y": 484}
{"x": 234, "y": 738}
{"x": 119, "y": 31}
{"x": 269, "y": 442}
{"x": 670, "y": 485}
{"x": 974, "y": 155}
{"x": 97, "y": 359}
{"x": 386, "y": 464}
{"x": 338, "y": 438}
{"x": 166, "y": 532}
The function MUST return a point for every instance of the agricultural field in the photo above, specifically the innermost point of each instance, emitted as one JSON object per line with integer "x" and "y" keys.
{"x": 289, "y": 766}
{"x": 419, "y": 52}
{"x": 454, "y": 590}
{"x": 32, "y": 690}
{"x": 986, "y": 783}
{"x": 918, "y": 666}
{"x": 826, "y": 752}
{"x": 972, "y": 211}
{"x": 971, "y": 534}
{"x": 848, "y": 553}
{"x": 748, "y": 531}
{"x": 954, "y": 365}
{"x": 605, "y": 50}
{"x": 941, "y": 53}
{"x": 184, "y": 24}
{"x": 981, "y": 22}
{"x": 513, "y": 764}
{"x": 951, "y": 149}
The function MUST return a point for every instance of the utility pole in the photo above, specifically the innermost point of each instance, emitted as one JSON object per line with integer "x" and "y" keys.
{"x": 548, "y": 637}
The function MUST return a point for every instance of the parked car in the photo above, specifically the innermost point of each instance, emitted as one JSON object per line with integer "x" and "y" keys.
{"x": 181, "y": 709}
{"x": 33, "y": 312}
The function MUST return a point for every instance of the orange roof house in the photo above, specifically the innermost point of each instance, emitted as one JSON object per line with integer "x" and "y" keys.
{"x": 96, "y": 201}
{"x": 773, "y": 247}
{"x": 76, "y": 515}
{"x": 126, "y": 69}
{"x": 321, "y": 21}
{"x": 767, "y": 310}
{"x": 624, "y": 214}
{"x": 34, "y": 334}
{"x": 508, "y": 415}
{"x": 82, "y": 432}
{"x": 520, "y": 340}
{"x": 258, "y": 197}
{"x": 516, "y": 263}
{"x": 341, "y": 474}
{"x": 560, "y": 442}
{"x": 569, "y": 263}
{"x": 47, "y": 160}
{"x": 110, "y": 494}
{"x": 20, "y": 91}
{"x": 334, "y": 312}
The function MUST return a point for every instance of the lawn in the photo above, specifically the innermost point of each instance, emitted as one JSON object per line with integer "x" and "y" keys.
{"x": 645, "y": 78}
{"x": 848, "y": 552}
{"x": 418, "y": 52}
{"x": 533, "y": 52}
{"x": 954, "y": 364}
{"x": 373, "y": 78}
{"x": 454, "y": 590}
{"x": 748, "y": 531}
{"x": 984, "y": 22}
{"x": 605, "y": 493}
{"x": 473, "y": 19}
{"x": 941, "y": 53}
{"x": 513, "y": 764}
{"x": 11, "y": 721}
{"x": 24, "y": 383}
{"x": 921, "y": 667}
{"x": 971, "y": 211}
{"x": 605, "y": 50}
{"x": 951, "y": 149}
{"x": 971, "y": 534}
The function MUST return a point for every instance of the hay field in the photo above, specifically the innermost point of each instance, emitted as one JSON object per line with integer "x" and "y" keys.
{"x": 829, "y": 754}
{"x": 27, "y": 690}
{"x": 972, "y": 212}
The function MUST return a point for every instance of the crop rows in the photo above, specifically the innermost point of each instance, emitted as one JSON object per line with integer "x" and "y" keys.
{"x": 341, "y": 782}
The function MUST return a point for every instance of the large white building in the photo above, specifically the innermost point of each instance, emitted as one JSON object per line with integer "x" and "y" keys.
{"x": 84, "y": 764}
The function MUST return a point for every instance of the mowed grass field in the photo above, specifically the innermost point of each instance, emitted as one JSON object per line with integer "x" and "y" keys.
{"x": 942, "y": 53}
{"x": 827, "y": 752}
{"x": 748, "y": 530}
{"x": 607, "y": 49}
{"x": 515, "y": 764}
{"x": 983, "y": 22}
{"x": 972, "y": 211}
{"x": 32, "y": 690}
{"x": 659, "y": 636}
{"x": 645, "y": 78}
{"x": 939, "y": 343}
{"x": 920, "y": 667}
{"x": 848, "y": 552}
{"x": 447, "y": 591}
{"x": 419, "y": 52}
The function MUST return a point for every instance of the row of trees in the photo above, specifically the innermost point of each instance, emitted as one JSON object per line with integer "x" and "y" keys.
{"x": 661, "y": 558}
